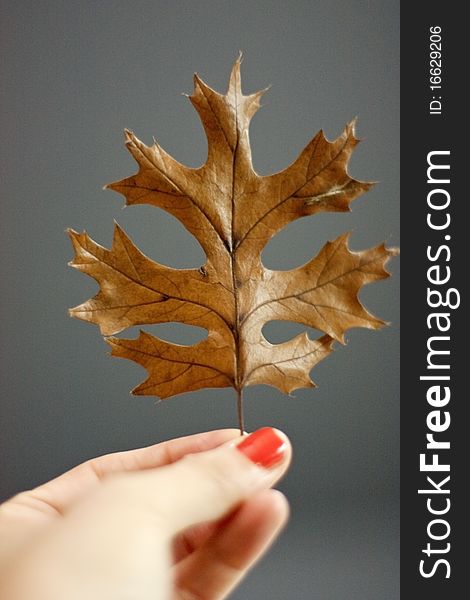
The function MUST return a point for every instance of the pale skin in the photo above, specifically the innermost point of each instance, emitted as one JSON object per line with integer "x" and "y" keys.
{"x": 180, "y": 520}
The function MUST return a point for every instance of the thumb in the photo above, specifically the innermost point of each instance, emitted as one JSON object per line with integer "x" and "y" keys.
{"x": 207, "y": 485}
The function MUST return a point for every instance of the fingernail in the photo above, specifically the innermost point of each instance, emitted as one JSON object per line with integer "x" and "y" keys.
{"x": 263, "y": 447}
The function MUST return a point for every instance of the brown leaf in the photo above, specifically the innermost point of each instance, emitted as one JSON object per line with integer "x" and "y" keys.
{"x": 233, "y": 212}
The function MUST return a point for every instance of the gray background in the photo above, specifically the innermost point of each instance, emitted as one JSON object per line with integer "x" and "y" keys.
{"x": 74, "y": 74}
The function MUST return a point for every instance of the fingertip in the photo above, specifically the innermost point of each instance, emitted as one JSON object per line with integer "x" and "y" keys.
{"x": 274, "y": 506}
{"x": 267, "y": 447}
{"x": 287, "y": 456}
{"x": 279, "y": 501}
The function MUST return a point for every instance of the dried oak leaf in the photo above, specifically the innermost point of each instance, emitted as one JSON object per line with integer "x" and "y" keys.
{"x": 233, "y": 212}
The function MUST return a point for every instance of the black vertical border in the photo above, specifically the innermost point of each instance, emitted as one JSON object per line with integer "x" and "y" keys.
{"x": 422, "y": 132}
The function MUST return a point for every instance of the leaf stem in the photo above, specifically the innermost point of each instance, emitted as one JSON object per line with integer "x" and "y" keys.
{"x": 241, "y": 420}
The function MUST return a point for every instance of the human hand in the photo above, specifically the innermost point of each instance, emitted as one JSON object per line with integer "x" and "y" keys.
{"x": 180, "y": 520}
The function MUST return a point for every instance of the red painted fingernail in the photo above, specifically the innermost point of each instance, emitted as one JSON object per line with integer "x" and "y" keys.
{"x": 263, "y": 447}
